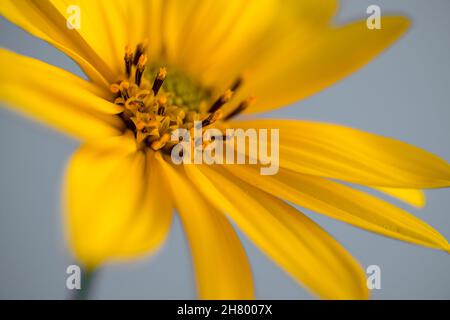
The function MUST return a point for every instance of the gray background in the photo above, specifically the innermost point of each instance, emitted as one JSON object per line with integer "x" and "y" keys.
{"x": 404, "y": 94}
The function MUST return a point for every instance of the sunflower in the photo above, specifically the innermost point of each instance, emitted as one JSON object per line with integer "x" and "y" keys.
{"x": 155, "y": 66}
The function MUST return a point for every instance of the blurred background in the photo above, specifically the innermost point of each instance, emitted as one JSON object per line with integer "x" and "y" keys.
{"x": 404, "y": 93}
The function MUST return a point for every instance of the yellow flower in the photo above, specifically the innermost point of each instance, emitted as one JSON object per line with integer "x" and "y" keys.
{"x": 121, "y": 189}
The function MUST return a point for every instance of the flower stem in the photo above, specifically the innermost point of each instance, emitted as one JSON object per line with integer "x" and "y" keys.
{"x": 87, "y": 279}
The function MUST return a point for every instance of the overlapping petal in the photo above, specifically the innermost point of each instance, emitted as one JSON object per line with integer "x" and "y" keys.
{"x": 352, "y": 155}
{"x": 119, "y": 198}
{"x": 293, "y": 70}
{"x": 116, "y": 202}
{"x": 293, "y": 241}
{"x": 106, "y": 26}
{"x": 57, "y": 97}
{"x": 343, "y": 203}
{"x": 290, "y": 45}
{"x": 220, "y": 262}
{"x": 48, "y": 20}
{"x": 215, "y": 41}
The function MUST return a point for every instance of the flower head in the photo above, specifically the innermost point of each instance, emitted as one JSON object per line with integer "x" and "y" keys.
{"x": 158, "y": 66}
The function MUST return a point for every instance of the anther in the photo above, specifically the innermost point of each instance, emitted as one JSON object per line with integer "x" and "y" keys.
{"x": 140, "y": 50}
{"x": 134, "y": 104}
{"x": 241, "y": 107}
{"x": 141, "y": 95}
{"x": 206, "y": 122}
{"x": 128, "y": 60}
{"x": 115, "y": 88}
{"x": 124, "y": 85}
{"x": 140, "y": 69}
{"x": 224, "y": 98}
{"x": 123, "y": 88}
{"x": 160, "y": 77}
{"x": 162, "y": 101}
{"x": 236, "y": 84}
{"x": 120, "y": 101}
{"x": 161, "y": 142}
{"x": 213, "y": 117}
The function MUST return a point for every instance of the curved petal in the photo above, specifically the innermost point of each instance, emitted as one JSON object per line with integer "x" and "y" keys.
{"x": 343, "y": 203}
{"x": 215, "y": 40}
{"x": 145, "y": 23}
{"x": 97, "y": 46}
{"x": 293, "y": 241}
{"x": 104, "y": 28}
{"x": 294, "y": 70}
{"x": 221, "y": 265}
{"x": 348, "y": 154}
{"x": 43, "y": 21}
{"x": 56, "y": 97}
{"x": 117, "y": 205}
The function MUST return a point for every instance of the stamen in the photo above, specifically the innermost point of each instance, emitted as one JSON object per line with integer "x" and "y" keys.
{"x": 123, "y": 87}
{"x": 154, "y": 117}
{"x": 236, "y": 84}
{"x": 241, "y": 107}
{"x": 140, "y": 49}
{"x": 115, "y": 88}
{"x": 224, "y": 98}
{"x": 213, "y": 117}
{"x": 128, "y": 60}
{"x": 141, "y": 95}
{"x": 140, "y": 69}
{"x": 120, "y": 101}
{"x": 135, "y": 105}
{"x": 146, "y": 133}
{"x": 162, "y": 101}
{"x": 161, "y": 76}
{"x": 161, "y": 142}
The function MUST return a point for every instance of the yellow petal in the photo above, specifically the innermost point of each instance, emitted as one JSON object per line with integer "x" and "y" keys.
{"x": 293, "y": 241}
{"x": 413, "y": 197}
{"x": 43, "y": 20}
{"x": 343, "y": 203}
{"x": 104, "y": 28}
{"x": 295, "y": 71}
{"x": 348, "y": 154}
{"x": 220, "y": 262}
{"x": 117, "y": 205}
{"x": 56, "y": 97}
{"x": 215, "y": 40}
{"x": 145, "y": 22}
{"x": 95, "y": 46}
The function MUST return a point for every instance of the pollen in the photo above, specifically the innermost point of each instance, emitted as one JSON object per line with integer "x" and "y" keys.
{"x": 156, "y": 101}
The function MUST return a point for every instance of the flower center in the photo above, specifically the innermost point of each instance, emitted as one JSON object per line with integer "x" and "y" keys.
{"x": 157, "y": 102}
